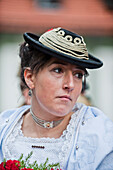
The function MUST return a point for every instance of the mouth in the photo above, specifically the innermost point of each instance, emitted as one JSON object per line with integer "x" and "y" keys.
{"x": 65, "y": 97}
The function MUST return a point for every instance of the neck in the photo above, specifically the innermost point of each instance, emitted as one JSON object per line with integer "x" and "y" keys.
{"x": 43, "y": 113}
{"x": 45, "y": 123}
{"x": 55, "y": 132}
{"x": 31, "y": 129}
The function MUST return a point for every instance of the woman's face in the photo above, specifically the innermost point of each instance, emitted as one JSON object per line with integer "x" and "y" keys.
{"x": 56, "y": 88}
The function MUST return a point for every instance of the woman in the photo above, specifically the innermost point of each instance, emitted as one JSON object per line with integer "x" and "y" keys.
{"x": 55, "y": 126}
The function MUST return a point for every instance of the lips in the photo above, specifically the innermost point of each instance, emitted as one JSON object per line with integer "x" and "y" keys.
{"x": 65, "y": 97}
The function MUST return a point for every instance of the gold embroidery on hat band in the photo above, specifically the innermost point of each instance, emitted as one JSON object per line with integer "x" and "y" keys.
{"x": 61, "y": 43}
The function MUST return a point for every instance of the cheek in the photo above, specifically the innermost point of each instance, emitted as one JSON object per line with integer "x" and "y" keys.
{"x": 77, "y": 90}
{"x": 46, "y": 89}
{"x": 80, "y": 88}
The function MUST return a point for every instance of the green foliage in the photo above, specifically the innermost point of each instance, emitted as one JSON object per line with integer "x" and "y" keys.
{"x": 43, "y": 166}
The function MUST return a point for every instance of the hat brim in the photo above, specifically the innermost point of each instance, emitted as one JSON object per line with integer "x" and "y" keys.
{"x": 91, "y": 63}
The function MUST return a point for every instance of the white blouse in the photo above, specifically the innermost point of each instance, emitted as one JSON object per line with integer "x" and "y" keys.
{"x": 86, "y": 144}
{"x": 54, "y": 149}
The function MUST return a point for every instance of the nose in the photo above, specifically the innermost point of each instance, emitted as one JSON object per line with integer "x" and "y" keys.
{"x": 68, "y": 83}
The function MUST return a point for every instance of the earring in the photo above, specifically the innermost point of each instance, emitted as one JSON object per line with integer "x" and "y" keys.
{"x": 30, "y": 92}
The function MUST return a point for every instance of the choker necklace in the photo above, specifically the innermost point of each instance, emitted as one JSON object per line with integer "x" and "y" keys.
{"x": 44, "y": 123}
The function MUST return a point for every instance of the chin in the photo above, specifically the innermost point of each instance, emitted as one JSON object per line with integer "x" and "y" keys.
{"x": 62, "y": 112}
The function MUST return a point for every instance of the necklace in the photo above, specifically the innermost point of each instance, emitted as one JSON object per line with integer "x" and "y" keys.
{"x": 44, "y": 123}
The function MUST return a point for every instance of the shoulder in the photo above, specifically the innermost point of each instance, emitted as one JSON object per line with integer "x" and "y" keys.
{"x": 99, "y": 124}
{"x": 9, "y": 114}
{"x": 92, "y": 114}
{"x": 95, "y": 121}
{"x": 95, "y": 136}
{"x": 5, "y": 115}
{"x": 95, "y": 124}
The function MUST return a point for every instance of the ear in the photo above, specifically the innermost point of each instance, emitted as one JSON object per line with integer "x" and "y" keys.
{"x": 29, "y": 78}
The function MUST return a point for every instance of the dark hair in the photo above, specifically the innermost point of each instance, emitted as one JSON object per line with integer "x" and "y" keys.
{"x": 32, "y": 58}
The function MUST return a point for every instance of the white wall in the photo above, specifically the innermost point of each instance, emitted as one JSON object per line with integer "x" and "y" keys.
{"x": 10, "y": 95}
{"x": 101, "y": 86}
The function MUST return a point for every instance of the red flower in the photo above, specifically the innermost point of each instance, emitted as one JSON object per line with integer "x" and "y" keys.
{"x": 2, "y": 166}
{"x": 21, "y": 164}
{"x": 10, "y": 165}
{"x": 26, "y": 169}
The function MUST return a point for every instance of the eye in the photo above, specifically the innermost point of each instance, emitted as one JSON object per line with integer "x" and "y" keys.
{"x": 78, "y": 75}
{"x": 77, "y": 41}
{"x": 58, "y": 70}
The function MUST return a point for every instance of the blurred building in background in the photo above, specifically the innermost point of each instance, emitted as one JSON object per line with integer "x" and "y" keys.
{"x": 92, "y": 18}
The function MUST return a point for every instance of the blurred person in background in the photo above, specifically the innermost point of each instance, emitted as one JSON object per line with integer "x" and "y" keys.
{"x": 83, "y": 98}
{"x": 55, "y": 126}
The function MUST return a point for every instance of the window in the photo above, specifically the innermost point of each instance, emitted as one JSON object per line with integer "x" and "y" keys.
{"x": 109, "y": 4}
{"x": 49, "y": 3}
